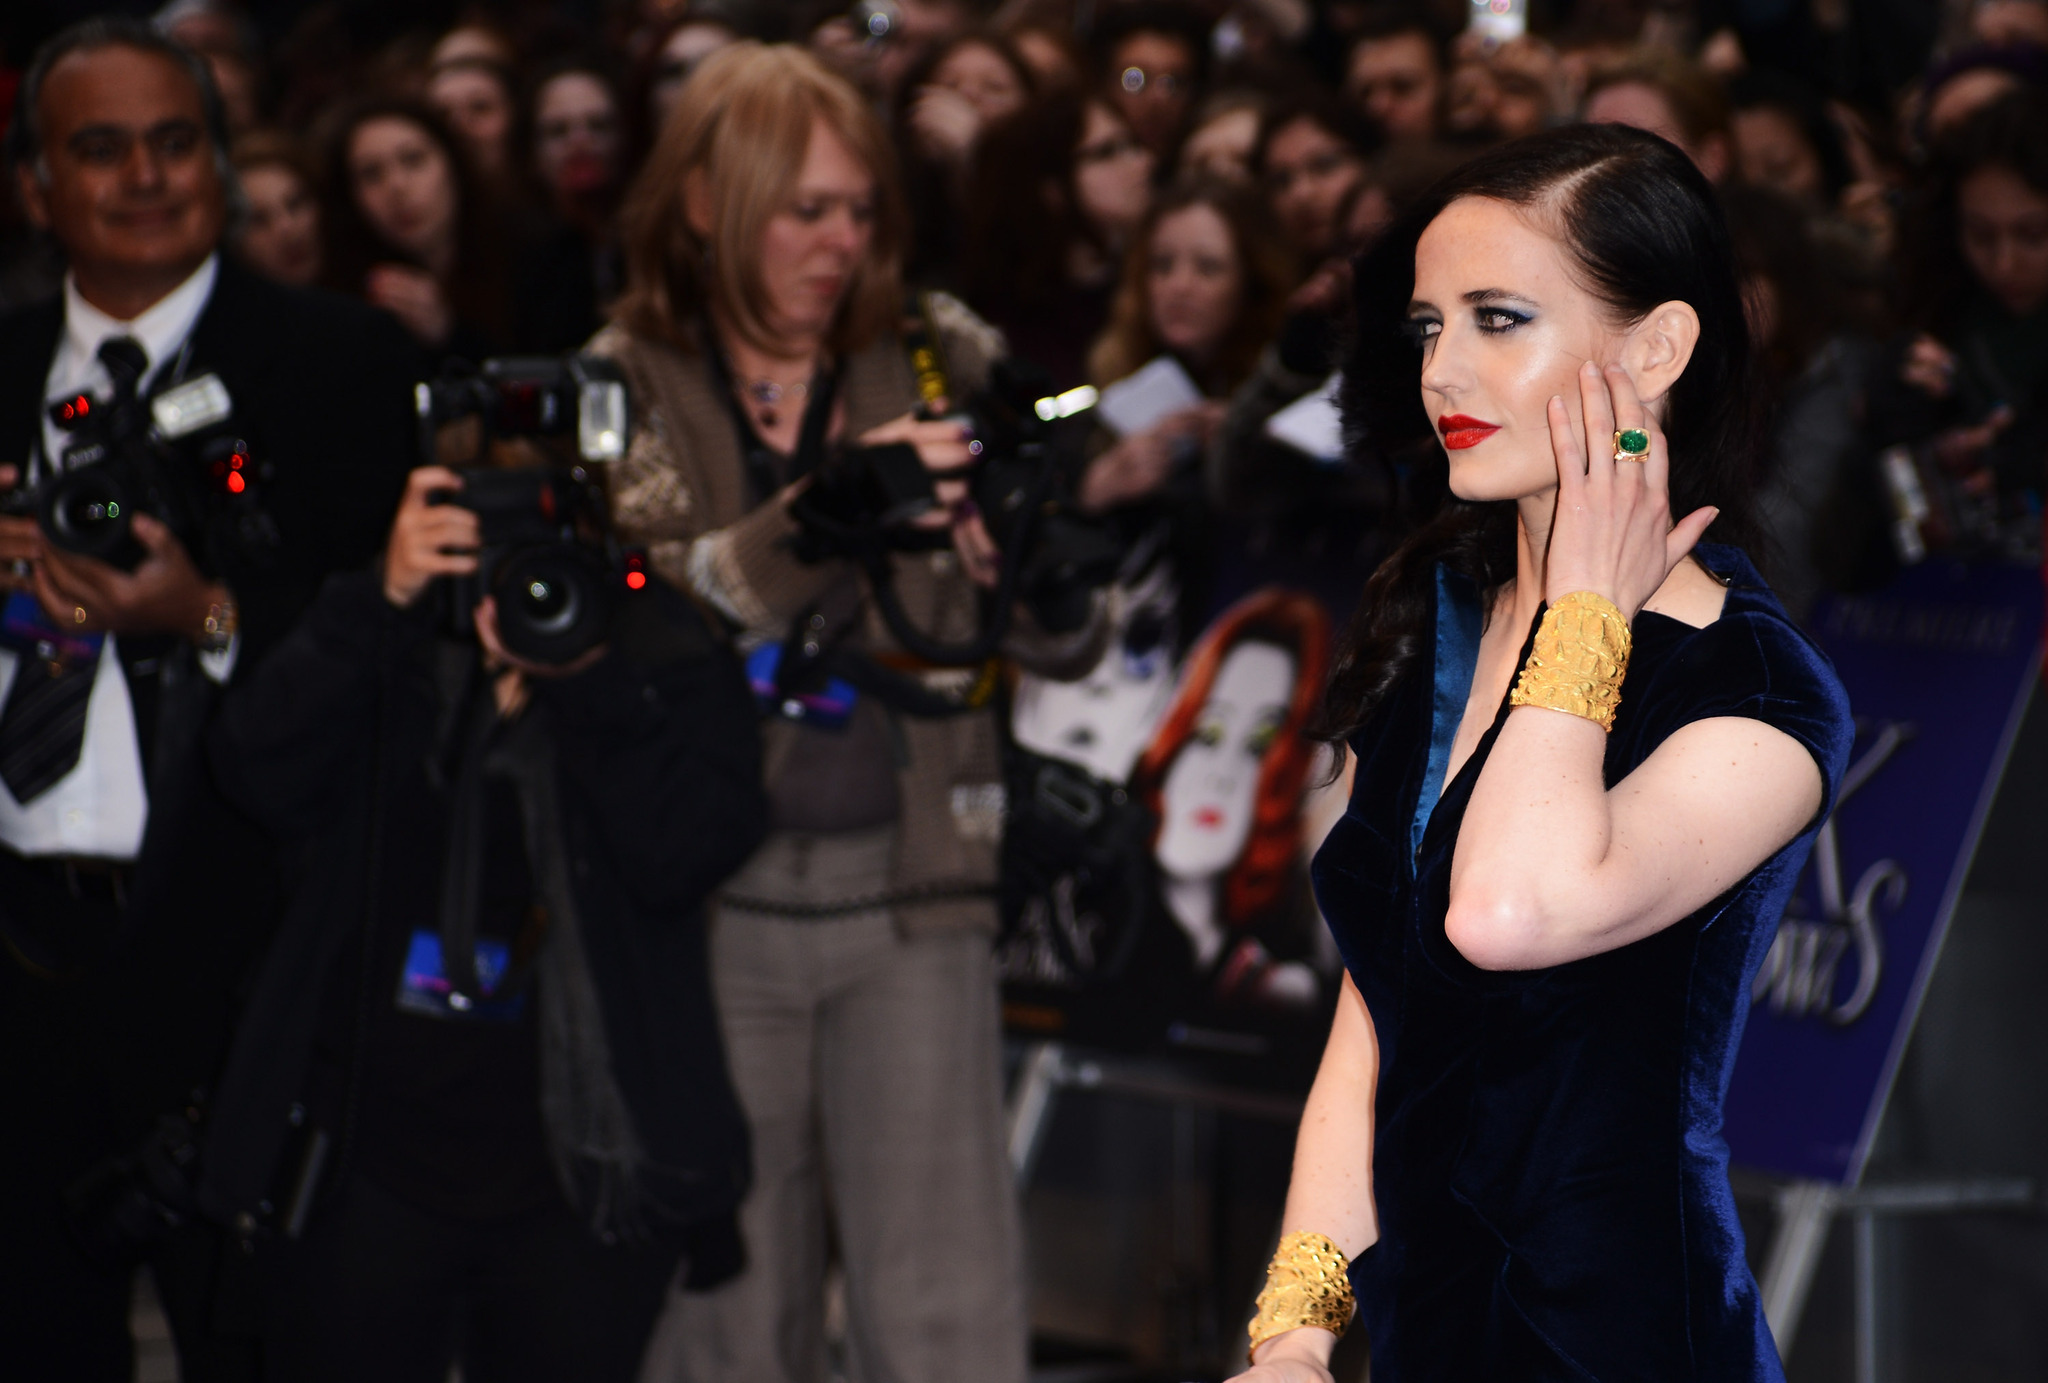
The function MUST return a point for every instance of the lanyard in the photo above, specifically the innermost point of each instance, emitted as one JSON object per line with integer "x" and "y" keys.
{"x": 768, "y": 470}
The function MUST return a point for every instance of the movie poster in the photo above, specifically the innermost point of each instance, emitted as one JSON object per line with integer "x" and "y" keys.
{"x": 1156, "y": 893}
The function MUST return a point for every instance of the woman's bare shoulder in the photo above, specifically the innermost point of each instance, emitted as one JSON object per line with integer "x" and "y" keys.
{"x": 1691, "y": 595}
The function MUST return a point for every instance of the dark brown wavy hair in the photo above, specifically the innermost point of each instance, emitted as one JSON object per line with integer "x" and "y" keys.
{"x": 1642, "y": 227}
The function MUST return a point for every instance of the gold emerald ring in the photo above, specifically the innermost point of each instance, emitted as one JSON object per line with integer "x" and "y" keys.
{"x": 1631, "y": 444}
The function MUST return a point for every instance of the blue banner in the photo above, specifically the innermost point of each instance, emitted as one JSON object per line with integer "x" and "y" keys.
{"x": 1938, "y": 667}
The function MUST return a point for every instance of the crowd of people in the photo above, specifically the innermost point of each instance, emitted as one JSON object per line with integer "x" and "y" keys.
{"x": 264, "y": 794}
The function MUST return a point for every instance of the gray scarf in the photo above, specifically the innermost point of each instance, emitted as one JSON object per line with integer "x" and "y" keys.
{"x": 592, "y": 1141}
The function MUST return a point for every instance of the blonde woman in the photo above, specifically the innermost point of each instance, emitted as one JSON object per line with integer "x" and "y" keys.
{"x": 759, "y": 332}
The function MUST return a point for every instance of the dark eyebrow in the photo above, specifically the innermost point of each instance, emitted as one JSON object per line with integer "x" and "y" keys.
{"x": 1480, "y": 297}
{"x": 1418, "y": 305}
{"x": 111, "y": 131}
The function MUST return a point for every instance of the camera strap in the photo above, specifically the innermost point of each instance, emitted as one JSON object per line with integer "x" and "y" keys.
{"x": 927, "y": 355}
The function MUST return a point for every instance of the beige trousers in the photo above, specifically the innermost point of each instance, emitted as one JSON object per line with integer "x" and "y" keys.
{"x": 869, "y": 1068}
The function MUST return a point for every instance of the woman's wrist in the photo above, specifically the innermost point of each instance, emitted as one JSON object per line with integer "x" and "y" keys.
{"x": 1578, "y": 659}
{"x": 1306, "y": 1344}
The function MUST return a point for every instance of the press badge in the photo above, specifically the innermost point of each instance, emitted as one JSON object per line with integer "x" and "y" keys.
{"x": 28, "y": 630}
{"x": 828, "y": 708}
{"x": 423, "y": 986}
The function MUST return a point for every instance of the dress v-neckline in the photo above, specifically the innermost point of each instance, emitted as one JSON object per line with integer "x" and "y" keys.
{"x": 1459, "y": 627}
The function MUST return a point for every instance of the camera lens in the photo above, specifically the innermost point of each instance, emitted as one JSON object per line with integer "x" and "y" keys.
{"x": 550, "y": 604}
{"x": 554, "y": 603}
{"x": 87, "y": 511}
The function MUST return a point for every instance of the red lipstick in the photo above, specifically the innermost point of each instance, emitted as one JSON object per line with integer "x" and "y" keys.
{"x": 1460, "y": 431}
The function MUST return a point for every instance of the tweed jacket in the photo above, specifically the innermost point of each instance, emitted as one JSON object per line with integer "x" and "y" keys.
{"x": 683, "y": 491}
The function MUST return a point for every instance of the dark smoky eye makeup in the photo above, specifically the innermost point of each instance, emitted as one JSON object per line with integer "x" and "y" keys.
{"x": 1493, "y": 319}
{"x": 1421, "y": 330}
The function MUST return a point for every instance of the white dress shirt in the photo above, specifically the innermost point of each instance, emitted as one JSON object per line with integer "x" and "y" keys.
{"x": 99, "y": 809}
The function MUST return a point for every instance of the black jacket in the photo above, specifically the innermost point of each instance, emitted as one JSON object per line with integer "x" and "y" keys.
{"x": 659, "y": 785}
{"x": 322, "y": 391}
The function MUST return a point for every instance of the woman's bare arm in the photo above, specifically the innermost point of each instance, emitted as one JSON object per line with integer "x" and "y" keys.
{"x": 1552, "y": 867}
{"x": 1331, "y": 1193}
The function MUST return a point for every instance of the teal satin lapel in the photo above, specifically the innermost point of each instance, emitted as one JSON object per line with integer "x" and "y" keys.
{"x": 1457, "y": 656}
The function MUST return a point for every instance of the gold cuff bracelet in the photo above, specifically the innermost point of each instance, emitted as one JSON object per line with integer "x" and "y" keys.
{"x": 1308, "y": 1283}
{"x": 1578, "y": 660}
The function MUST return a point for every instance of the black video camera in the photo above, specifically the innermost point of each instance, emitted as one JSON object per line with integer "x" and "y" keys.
{"x": 547, "y": 554}
{"x": 173, "y": 456}
{"x": 862, "y": 502}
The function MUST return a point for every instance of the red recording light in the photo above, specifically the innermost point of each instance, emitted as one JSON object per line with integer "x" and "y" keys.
{"x": 635, "y": 580}
{"x": 236, "y": 484}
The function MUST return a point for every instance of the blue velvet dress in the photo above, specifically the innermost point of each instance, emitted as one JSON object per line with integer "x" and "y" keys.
{"x": 1547, "y": 1157}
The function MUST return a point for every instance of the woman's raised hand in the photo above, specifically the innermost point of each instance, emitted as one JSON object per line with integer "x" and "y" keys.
{"x": 1613, "y": 533}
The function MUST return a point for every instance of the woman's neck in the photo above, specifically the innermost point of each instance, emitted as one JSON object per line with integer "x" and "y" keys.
{"x": 1533, "y": 517}
{"x": 792, "y": 359}
{"x": 1192, "y": 901}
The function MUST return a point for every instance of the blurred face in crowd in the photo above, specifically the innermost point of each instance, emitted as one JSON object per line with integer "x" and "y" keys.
{"x": 1152, "y": 81}
{"x": 1051, "y": 65}
{"x": 2006, "y": 22}
{"x": 128, "y": 181}
{"x": 1772, "y": 151}
{"x": 686, "y": 47}
{"x": 405, "y": 188}
{"x": 1643, "y": 107}
{"x": 1112, "y": 175}
{"x": 1310, "y": 172}
{"x": 576, "y": 135}
{"x": 983, "y": 78}
{"x": 1193, "y": 281}
{"x": 1504, "y": 327}
{"x": 279, "y": 237}
{"x": 473, "y": 43}
{"x": 478, "y": 108}
{"x": 1964, "y": 94}
{"x": 2002, "y": 224}
{"x": 1222, "y": 147}
{"x": 1398, "y": 82}
{"x": 814, "y": 244}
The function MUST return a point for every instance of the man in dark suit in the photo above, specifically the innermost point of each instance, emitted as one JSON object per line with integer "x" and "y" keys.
{"x": 133, "y": 900}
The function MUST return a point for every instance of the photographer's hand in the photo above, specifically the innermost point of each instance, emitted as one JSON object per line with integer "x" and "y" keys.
{"x": 944, "y": 124}
{"x": 944, "y": 446}
{"x": 1142, "y": 462}
{"x": 165, "y": 594}
{"x": 428, "y": 540}
{"x": 415, "y": 298}
{"x": 21, "y": 542}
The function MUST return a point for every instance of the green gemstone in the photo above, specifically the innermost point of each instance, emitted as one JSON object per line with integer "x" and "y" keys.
{"x": 1632, "y": 440}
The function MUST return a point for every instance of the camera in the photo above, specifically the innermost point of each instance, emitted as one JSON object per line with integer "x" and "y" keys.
{"x": 529, "y": 436}
{"x": 170, "y": 456}
{"x": 862, "y": 503}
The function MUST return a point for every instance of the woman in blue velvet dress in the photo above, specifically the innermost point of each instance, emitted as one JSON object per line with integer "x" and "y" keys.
{"x": 1551, "y": 912}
